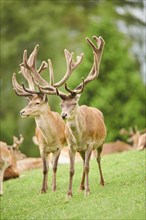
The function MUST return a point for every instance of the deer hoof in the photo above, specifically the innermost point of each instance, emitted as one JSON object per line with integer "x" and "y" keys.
{"x": 87, "y": 193}
{"x": 53, "y": 189}
{"x": 69, "y": 195}
{"x": 43, "y": 191}
{"x": 102, "y": 183}
{"x": 82, "y": 188}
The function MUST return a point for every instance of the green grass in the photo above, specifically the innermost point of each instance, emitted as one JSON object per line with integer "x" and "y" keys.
{"x": 123, "y": 196}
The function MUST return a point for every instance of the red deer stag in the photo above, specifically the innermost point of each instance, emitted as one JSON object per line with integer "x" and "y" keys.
{"x": 8, "y": 159}
{"x": 50, "y": 126}
{"x": 85, "y": 128}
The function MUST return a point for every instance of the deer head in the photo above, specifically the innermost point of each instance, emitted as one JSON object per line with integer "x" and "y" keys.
{"x": 36, "y": 106}
{"x": 32, "y": 95}
{"x": 69, "y": 102}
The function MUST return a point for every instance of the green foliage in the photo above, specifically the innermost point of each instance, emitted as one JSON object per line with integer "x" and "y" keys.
{"x": 56, "y": 25}
{"x": 123, "y": 196}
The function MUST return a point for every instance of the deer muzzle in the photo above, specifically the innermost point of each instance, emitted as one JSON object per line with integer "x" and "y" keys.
{"x": 23, "y": 113}
{"x": 64, "y": 115}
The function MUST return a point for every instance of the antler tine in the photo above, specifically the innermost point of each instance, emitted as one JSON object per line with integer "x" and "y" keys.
{"x": 43, "y": 66}
{"x": 61, "y": 94}
{"x": 43, "y": 89}
{"x": 25, "y": 70}
{"x": 78, "y": 91}
{"x": 29, "y": 90}
{"x": 92, "y": 74}
{"x": 71, "y": 65}
{"x": 18, "y": 88}
{"x": 31, "y": 61}
{"x": 97, "y": 51}
{"x": 28, "y": 77}
{"x": 30, "y": 65}
{"x": 100, "y": 42}
{"x": 21, "y": 139}
{"x": 17, "y": 142}
{"x": 51, "y": 72}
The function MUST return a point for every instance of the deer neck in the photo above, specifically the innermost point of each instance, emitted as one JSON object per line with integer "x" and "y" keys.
{"x": 75, "y": 124}
{"x": 44, "y": 123}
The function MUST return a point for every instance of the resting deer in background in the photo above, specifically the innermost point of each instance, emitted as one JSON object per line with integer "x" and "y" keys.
{"x": 50, "y": 126}
{"x": 8, "y": 159}
{"x": 115, "y": 147}
{"x": 85, "y": 129}
{"x": 136, "y": 137}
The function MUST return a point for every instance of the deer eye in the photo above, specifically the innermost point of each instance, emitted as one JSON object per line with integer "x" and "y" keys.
{"x": 75, "y": 103}
{"x": 37, "y": 103}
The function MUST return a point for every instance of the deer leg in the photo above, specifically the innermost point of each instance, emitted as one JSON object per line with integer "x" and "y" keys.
{"x": 82, "y": 186}
{"x": 45, "y": 173}
{"x": 99, "y": 150}
{"x": 55, "y": 163}
{"x": 86, "y": 169}
{"x": 71, "y": 172}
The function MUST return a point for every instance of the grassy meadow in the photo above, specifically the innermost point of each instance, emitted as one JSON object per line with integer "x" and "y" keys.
{"x": 122, "y": 198}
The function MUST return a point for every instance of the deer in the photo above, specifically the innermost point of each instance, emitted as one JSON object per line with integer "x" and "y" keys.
{"x": 29, "y": 163}
{"x": 50, "y": 127}
{"x": 136, "y": 137}
{"x": 115, "y": 147}
{"x": 85, "y": 129}
{"x": 8, "y": 160}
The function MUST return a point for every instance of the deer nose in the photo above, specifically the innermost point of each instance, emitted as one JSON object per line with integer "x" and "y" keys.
{"x": 63, "y": 115}
{"x": 21, "y": 112}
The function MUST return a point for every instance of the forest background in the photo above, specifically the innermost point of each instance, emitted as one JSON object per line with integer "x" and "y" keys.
{"x": 119, "y": 91}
